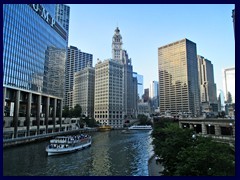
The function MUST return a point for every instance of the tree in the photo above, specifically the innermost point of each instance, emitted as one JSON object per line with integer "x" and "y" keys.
{"x": 65, "y": 112}
{"x": 206, "y": 158}
{"x": 143, "y": 119}
{"x": 183, "y": 155}
{"x": 77, "y": 111}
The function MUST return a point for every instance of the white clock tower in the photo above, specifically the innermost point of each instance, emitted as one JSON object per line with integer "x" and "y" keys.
{"x": 117, "y": 45}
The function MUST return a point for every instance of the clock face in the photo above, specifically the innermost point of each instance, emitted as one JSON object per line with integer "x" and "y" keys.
{"x": 117, "y": 46}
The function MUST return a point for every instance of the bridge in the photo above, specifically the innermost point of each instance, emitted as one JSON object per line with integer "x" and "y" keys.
{"x": 222, "y": 130}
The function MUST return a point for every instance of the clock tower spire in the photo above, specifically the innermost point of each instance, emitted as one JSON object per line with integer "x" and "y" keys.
{"x": 117, "y": 45}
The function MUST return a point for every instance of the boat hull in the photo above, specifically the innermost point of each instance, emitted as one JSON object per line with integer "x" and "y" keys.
{"x": 57, "y": 151}
{"x": 136, "y": 127}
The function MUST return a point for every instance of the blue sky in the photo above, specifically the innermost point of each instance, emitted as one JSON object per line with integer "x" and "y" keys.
{"x": 146, "y": 27}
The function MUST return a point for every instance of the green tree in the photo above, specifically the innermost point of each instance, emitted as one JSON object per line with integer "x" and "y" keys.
{"x": 77, "y": 111}
{"x": 65, "y": 112}
{"x": 206, "y": 158}
{"x": 143, "y": 119}
{"x": 183, "y": 155}
{"x": 168, "y": 142}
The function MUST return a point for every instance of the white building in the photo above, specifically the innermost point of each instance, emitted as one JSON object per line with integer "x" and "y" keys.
{"x": 129, "y": 91}
{"x": 229, "y": 83}
{"x": 83, "y": 90}
{"x": 109, "y": 102}
{"x": 153, "y": 90}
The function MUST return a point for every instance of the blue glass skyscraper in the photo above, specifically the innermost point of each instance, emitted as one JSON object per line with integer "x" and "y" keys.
{"x": 34, "y": 55}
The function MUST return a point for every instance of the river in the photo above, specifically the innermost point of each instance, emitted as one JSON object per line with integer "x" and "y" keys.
{"x": 112, "y": 153}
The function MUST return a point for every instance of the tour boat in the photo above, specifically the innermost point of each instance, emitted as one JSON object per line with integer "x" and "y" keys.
{"x": 140, "y": 127}
{"x": 105, "y": 128}
{"x": 68, "y": 144}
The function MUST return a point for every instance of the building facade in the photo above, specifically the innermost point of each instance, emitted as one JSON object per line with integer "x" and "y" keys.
{"x": 83, "y": 90}
{"x": 76, "y": 61}
{"x": 178, "y": 78}
{"x": 153, "y": 90}
{"x": 34, "y": 54}
{"x": 139, "y": 84}
{"x": 229, "y": 84}
{"x": 154, "y": 96}
{"x": 109, "y": 102}
{"x": 208, "y": 91}
{"x": 129, "y": 92}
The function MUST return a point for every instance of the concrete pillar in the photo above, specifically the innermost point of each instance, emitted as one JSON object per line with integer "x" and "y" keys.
{"x": 233, "y": 130}
{"x": 217, "y": 130}
{"x": 47, "y": 113}
{"x": 54, "y": 113}
{"x": 191, "y": 126}
{"x": 180, "y": 124}
{"x": 4, "y": 97}
{"x": 204, "y": 129}
{"x": 38, "y": 113}
{"x": 16, "y": 112}
{"x": 28, "y": 117}
{"x": 60, "y": 113}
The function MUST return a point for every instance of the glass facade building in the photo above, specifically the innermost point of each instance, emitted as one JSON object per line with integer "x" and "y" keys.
{"x": 229, "y": 84}
{"x": 34, "y": 55}
{"x": 178, "y": 78}
{"x": 139, "y": 84}
{"x": 76, "y": 61}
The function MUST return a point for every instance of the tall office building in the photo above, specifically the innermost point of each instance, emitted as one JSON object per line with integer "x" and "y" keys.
{"x": 120, "y": 55}
{"x": 83, "y": 90}
{"x": 139, "y": 84}
{"x": 62, "y": 15}
{"x": 76, "y": 61}
{"x": 109, "y": 102}
{"x": 206, "y": 80}
{"x": 153, "y": 90}
{"x": 145, "y": 96}
{"x": 178, "y": 78}
{"x": 229, "y": 84}
{"x": 34, "y": 54}
{"x": 153, "y": 95}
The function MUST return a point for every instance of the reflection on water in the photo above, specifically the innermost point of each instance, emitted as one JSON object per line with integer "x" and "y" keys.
{"x": 111, "y": 154}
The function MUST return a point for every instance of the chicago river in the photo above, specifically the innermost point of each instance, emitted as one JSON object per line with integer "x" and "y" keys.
{"x": 112, "y": 154}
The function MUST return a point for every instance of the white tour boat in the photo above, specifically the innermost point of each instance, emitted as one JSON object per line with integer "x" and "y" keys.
{"x": 140, "y": 127}
{"x": 68, "y": 144}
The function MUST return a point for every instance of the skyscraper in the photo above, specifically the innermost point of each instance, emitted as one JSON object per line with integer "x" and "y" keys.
{"x": 62, "y": 15}
{"x": 139, "y": 84}
{"x": 153, "y": 95}
{"x": 76, "y": 61}
{"x": 178, "y": 78}
{"x": 83, "y": 90}
{"x": 229, "y": 84}
{"x": 121, "y": 55}
{"x": 34, "y": 53}
{"x": 153, "y": 90}
{"x": 206, "y": 80}
{"x": 109, "y": 102}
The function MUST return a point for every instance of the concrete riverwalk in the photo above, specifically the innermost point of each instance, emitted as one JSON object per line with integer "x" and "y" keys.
{"x": 154, "y": 168}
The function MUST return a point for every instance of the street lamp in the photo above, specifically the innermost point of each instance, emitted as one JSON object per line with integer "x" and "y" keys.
{"x": 209, "y": 128}
{"x": 195, "y": 128}
{"x": 231, "y": 133}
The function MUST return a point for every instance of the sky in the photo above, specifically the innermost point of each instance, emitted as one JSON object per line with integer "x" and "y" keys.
{"x": 145, "y": 28}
